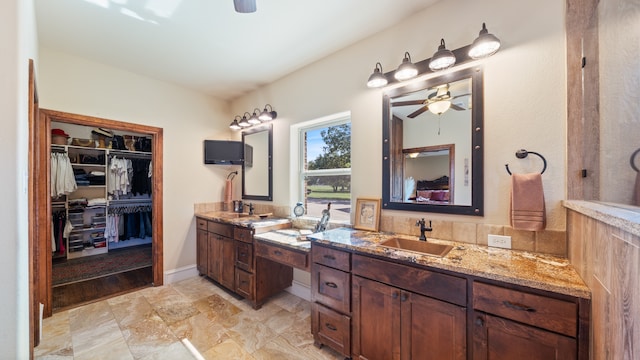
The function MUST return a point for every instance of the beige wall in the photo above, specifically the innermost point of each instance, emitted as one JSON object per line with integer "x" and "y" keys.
{"x": 525, "y": 97}
{"x": 18, "y": 43}
{"x": 72, "y": 84}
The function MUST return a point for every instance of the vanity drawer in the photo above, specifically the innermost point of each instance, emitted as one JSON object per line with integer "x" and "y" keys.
{"x": 333, "y": 258}
{"x": 537, "y": 310}
{"x": 202, "y": 224}
{"x": 244, "y": 255}
{"x": 331, "y": 287}
{"x": 331, "y": 328}
{"x": 243, "y": 234}
{"x": 220, "y": 229}
{"x": 244, "y": 283}
{"x": 296, "y": 259}
{"x": 422, "y": 281}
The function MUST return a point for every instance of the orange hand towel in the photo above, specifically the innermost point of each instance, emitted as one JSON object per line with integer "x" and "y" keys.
{"x": 527, "y": 202}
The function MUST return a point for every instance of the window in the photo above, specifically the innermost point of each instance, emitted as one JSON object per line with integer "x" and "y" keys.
{"x": 323, "y": 165}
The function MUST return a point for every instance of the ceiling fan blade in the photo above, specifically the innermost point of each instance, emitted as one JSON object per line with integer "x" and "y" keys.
{"x": 457, "y": 107}
{"x": 417, "y": 112}
{"x": 409, "y": 102}
{"x": 245, "y": 6}
{"x": 458, "y": 96}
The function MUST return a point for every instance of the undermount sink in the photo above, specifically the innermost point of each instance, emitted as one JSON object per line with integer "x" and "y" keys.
{"x": 422, "y": 247}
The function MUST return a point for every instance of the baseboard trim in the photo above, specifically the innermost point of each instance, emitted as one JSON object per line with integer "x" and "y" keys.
{"x": 300, "y": 290}
{"x": 179, "y": 274}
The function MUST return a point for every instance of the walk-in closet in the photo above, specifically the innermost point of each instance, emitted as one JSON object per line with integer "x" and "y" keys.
{"x": 103, "y": 210}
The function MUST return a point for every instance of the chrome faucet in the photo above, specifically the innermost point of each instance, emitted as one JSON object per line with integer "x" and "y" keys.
{"x": 423, "y": 228}
{"x": 251, "y": 208}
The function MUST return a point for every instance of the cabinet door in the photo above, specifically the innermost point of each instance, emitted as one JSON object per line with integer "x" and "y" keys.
{"x": 496, "y": 338}
{"x": 432, "y": 329}
{"x": 376, "y": 320}
{"x": 214, "y": 254}
{"x": 227, "y": 262}
{"x": 202, "y": 249}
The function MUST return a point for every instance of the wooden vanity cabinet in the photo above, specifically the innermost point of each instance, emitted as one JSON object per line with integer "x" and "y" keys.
{"x": 202, "y": 247}
{"x": 514, "y": 324}
{"x": 399, "y": 313}
{"x": 221, "y": 253}
{"x": 331, "y": 298}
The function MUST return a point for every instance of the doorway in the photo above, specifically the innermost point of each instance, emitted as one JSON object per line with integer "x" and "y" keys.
{"x": 43, "y": 234}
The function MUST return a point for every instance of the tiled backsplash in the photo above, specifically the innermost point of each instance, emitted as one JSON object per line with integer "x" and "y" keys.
{"x": 548, "y": 241}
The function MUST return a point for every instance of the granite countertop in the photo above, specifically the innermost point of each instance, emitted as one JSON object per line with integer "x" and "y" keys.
{"x": 243, "y": 219}
{"x": 533, "y": 270}
{"x": 289, "y": 238}
{"x": 626, "y": 217}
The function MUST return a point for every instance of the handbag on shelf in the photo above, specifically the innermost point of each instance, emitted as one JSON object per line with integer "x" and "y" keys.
{"x": 117, "y": 143}
{"x": 143, "y": 144}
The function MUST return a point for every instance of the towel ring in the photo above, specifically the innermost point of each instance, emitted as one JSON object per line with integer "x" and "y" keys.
{"x": 632, "y": 160}
{"x": 522, "y": 153}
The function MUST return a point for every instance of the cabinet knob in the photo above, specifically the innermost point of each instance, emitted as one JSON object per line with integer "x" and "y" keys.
{"x": 394, "y": 295}
{"x": 404, "y": 297}
{"x": 278, "y": 252}
{"x": 479, "y": 322}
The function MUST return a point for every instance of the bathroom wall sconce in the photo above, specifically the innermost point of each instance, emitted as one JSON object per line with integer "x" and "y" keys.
{"x": 258, "y": 117}
{"x": 442, "y": 59}
{"x": 377, "y": 79}
{"x": 268, "y": 115}
{"x": 483, "y": 46}
{"x": 406, "y": 70}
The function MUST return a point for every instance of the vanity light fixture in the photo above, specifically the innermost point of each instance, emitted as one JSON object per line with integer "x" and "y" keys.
{"x": 484, "y": 45}
{"x": 407, "y": 69}
{"x": 253, "y": 120}
{"x": 234, "y": 124}
{"x": 268, "y": 115}
{"x": 442, "y": 59}
{"x": 377, "y": 79}
{"x": 244, "y": 122}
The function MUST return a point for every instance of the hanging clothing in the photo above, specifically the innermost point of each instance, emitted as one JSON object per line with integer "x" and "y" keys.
{"x": 63, "y": 181}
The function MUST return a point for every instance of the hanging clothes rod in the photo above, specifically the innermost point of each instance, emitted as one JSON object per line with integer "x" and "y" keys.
{"x": 129, "y": 154}
{"x": 522, "y": 153}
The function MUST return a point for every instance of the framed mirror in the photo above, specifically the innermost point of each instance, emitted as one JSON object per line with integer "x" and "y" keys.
{"x": 257, "y": 171}
{"x": 433, "y": 145}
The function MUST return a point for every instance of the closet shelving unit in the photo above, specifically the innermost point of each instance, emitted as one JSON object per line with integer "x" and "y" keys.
{"x": 87, "y": 237}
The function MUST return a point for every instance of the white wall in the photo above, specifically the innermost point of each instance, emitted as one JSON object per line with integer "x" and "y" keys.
{"x": 72, "y": 84}
{"x": 17, "y": 44}
{"x": 525, "y": 97}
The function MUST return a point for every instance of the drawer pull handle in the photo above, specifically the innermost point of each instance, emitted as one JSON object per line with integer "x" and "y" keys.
{"x": 278, "y": 252}
{"x": 331, "y": 284}
{"x": 243, "y": 254}
{"x": 330, "y": 327}
{"x": 517, "y": 306}
{"x": 329, "y": 257}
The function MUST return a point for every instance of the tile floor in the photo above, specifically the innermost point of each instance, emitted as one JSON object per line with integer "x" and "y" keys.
{"x": 151, "y": 324}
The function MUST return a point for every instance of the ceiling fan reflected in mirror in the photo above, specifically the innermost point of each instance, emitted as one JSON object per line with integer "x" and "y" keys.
{"x": 245, "y": 6}
{"x": 437, "y": 102}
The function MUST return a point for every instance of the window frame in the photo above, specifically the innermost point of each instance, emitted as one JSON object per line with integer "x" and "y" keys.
{"x": 298, "y": 173}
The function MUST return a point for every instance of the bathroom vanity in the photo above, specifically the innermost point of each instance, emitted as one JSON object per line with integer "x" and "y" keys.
{"x": 376, "y": 302}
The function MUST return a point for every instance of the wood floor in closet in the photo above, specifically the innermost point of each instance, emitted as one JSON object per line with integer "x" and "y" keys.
{"x": 84, "y": 292}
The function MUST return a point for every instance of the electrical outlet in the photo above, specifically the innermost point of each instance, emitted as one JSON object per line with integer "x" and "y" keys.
{"x": 500, "y": 241}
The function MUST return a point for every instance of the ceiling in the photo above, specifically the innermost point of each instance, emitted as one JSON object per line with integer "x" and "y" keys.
{"x": 204, "y": 44}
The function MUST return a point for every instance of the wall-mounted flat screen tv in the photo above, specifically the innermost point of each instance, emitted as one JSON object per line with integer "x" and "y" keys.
{"x": 223, "y": 152}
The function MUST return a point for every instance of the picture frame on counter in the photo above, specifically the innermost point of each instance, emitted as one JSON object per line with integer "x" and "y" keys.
{"x": 367, "y": 215}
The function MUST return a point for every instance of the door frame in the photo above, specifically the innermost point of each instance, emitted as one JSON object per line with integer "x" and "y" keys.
{"x": 42, "y": 175}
